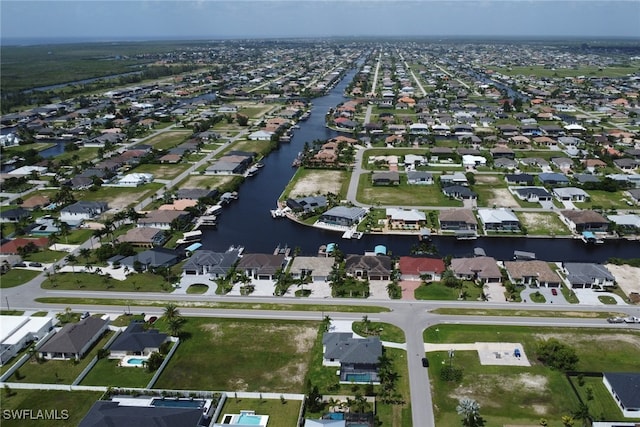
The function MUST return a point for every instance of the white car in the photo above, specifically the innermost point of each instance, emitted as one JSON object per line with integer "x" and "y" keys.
{"x": 631, "y": 319}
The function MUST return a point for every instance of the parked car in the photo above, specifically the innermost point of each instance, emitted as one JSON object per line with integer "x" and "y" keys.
{"x": 35, "y": 264}
{"x": 425, "y": 362}
{"x": 20, "y": 264}
{"x": 85, "y": 315}
{"x": 615, "y": 320}
{"x": 631, "y": 319}
{"x": 554, "y": 292}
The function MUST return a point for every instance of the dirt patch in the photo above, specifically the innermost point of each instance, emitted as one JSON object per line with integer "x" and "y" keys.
{"x": 124, "y": 200}
{"x": 294, "y": 372}
{"x": 627, "y": 277}
{"x": 490, "y": 179}
{"x": 237, "y": 384}
{"x": 213, "y": 330}
{"x": 318, "y": 182}
{"x": 540, "y": 220}
{"x": 631, "y": 339}
{"x": 491, "y": 385}
{"x": 501, "y": 197}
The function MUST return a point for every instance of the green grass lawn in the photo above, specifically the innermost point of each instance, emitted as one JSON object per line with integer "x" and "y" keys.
{"x": 604, "y": 200}
{"x": 543, "y": 223}
{"x": 438, "y": 291}
{"x": 107, "y": 372}
{"x": 57, "y": 371}
{"x": 197, "y": 289}
{"x": 162, "y": 171}
{"x": 402, "y": 195}
{"x": 606, "y": 299}
{"x": 139, "y": 282}
{"x": 252, "y": 355}
{"x": 17, "y": 277}
{"x": 541, "y": 71}
{"x": 386, "y": 331}
{"x": 75, "y": 403}
{"x": 526, "y": 394}
{"x": 602, "y": 406}
{"x": 280, "y": 414}
{"x": 527, "y": 313}
{"x": 168, "y": 140}
{"x": 45, "y": 255}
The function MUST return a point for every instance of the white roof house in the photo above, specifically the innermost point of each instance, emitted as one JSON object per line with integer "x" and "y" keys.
{"x": 135, "y": 179}
{"x": 471, "y": 160}
{"x": 405, "y": 215}
{"x": 260, "y": 135}
{"x": 17, "y": 331}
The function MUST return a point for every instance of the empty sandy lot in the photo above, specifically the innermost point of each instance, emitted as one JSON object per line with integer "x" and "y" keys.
{"x": 628, "y": 277}
{"x": 318, "y": 182}
{"x": 502, "y": 198}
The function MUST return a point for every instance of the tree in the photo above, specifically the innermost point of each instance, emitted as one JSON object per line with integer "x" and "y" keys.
{"x": 175, "y": 326}
{"x": 557, "y": 355}
{"x": 154, "y": 361}
{"x": 71, "y": 259}
{"x": 366, "y": 323}
{"x": 582, "y": 414}
{"x": 470, "y": 411}
{"x": 171, "y": 311}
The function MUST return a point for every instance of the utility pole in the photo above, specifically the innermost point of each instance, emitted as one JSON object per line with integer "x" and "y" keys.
{"x": 7, "y": 300}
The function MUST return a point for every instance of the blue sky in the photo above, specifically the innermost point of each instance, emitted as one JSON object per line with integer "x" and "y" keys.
{"x": 165, "y": 19}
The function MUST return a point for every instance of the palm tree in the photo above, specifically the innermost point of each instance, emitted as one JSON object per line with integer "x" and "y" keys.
{"x": 175, "y": 326}
{"x": 171, "y": 311}
{"x": 85, "y": 253}
{"x": 72, "y": 259}
{"x": 470, "y": 411}
{"x": 582, "y": 414}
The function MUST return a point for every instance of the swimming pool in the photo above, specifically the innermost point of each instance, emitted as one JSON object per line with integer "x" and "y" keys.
{"x": 251, "y": 420}
{"x": 135, "y": 361}
{"x": 359, "y": 378}
{"x": 177, "y": 403}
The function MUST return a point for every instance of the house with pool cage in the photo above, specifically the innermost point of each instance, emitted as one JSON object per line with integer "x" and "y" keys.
{"x": 358, "y": 358}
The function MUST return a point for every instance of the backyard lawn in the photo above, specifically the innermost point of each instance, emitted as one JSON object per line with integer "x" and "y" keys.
{"x": 75, "y": 403}
{"x": 107, "y": 372}
{"x": 280, "y": 413}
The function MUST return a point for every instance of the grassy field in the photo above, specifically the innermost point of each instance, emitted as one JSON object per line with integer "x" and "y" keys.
{"x": 57, "y": 371}
{"x": 386, "y": 331}
{"x": 247, "y": 355}
{"x": 168, "y": 140}
{"x": 45, "y": 255}
{"x": 402, "y": 195}
{"x": 543, "y": 223}
{"x": 280, "y": 413}
{"x": 604, "y": 200}
{"x": 438, "y": 291}
{"x": 591, "y": 71}
{"x": 525, "y": 393}
{"x": 527, "y": 313}
{"x": 602, "y": 405}
{"x": 119, "y": 197}
{"x": 139, "y": 282}
{"x": 75, "y": 403}
{"x": 17, "y": 277}
{"x": 162, "y": 171}
{"x": 107, "y": 372}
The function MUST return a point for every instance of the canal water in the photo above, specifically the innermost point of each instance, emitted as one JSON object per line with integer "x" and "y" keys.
{"x": 248, "y": 222}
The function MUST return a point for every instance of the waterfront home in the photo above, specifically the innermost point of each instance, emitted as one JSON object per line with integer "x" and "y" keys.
{"x": 570, "y": 194}
{"x": 419, "y": 178}
{"x": 415, "y": 268}
{"x": 343, "y": 216}
{"x": 405, "y": 218}
{"x": 307, "y": 204}
{"x": 162, "y": 219}
{"x": 532, "y": 273}
{"x": 358, "y": 358}
{"x": 74, "y": 340}
{"x": 212, "y": 264}
{"x": 195, "y": 193}
{"x": 483, "y": 269}
{"x": 501, "y": 219}
{"x": 262, "y": 266}
{"x": 317, "y": 268}
{"x": 457, "y": 219}
{"x": 14, "y": 215}
{"x": 582, "y": 275}
{"x": 371, "y": 267}
{"x": 81, "y": 211}
{"x": 135, "y": 340}
{"x": 584, "y": 220}
{"x": 261, "y": 135}
{"x": 151, "y": 259}
{"x": 627, "y": 224}
{"x": 144, "y": 237}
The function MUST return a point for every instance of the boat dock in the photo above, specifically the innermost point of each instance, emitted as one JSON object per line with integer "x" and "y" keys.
{"x": 205, "y": 221}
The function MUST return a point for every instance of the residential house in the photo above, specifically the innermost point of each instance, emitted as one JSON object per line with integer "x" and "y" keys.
{"x": 81, "y": 211}
{"x": 307, "y": 204}
{"x": 385, "y": 178}
{"x": 371, "y": 267}
{"x": 12, "y": 247}
{"x": 570, "y": 194}
{"x": 405, "y": 218}
{"x": 583, "y": 275}
{"x": 626, "y": 224}
{"x": 14, "y": 215}
{"x": 625, "y": 390}
{"x": 74, "y": 340}
{"x": 552, "y": 178}
{"x": 519, "y": 179}
{"x": 502, "y": 151}
{"x": 195, "y": 193}
{"x": 261, "y": 135}
{"x": 457, "y": 178}
{"x": 419, "y": 178}
{"x": 212, "y": 264}
{"x": 532, "y": 194}
{"x": 627, "y": 164}
{"x": 35, "y": 202}
{"x": 532, "y": 273}
{"x": 261, "y": 266}
{"x": 358, "y": 358}
{"x": 16, "y": 332}
{"x": 144, "y": 237}
{"x": 504, "y": 163}
{"x": 584, "y": 220}
{"x": 415, "y": 268}
{"x": 136, "y": 340}
{"x": 562, "y": 163}
{"x": 501, "y": 219}
{"x": 459, "y": 192}
{"x": 343, "y": 216}
{"x": 120, "y": 413}
{"x": 162, "y": 219}
{"x": 457, "y": 219}
{"x": 151, "y": 259}
{"x": 482, "y": 268}
{"x": 317, "y": 268}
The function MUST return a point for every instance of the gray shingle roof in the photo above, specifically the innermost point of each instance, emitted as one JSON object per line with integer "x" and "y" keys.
{"x": 74, "y": 336}
{"x": 136, "y": 339}
{"x": 105, "y": 413}
{"x": 627, "y": 387}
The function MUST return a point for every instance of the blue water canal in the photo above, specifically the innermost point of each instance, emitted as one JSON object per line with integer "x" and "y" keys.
{"x": 248, "y": 222}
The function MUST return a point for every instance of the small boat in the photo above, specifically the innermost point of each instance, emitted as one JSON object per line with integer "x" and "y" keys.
{"x": 522, "y": 255}
{"x": 466, "y": 235}
{"x": 252, "y": 171}
{"x": 282, "y": 250}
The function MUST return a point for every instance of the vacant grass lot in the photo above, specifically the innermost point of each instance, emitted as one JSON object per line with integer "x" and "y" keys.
{"x": 604, "y": 200}
{"x": 543, "y": 223}
{"x": 162, "y": 171}
{"x": 76, "y": 403}
{"x": 139, "y": 282}
{"x": 119, "y": 197}
{"x": 168, "y": 140}
{"x": 526, "y": 394}
{"x": 247, "y": 355}
{"x": 438, "y": 291}
{"x": 280, "y": 414}
{"x": 402, "y": 195}
{"x": 540, "y": 71}
{"x": 57, "y": 371}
